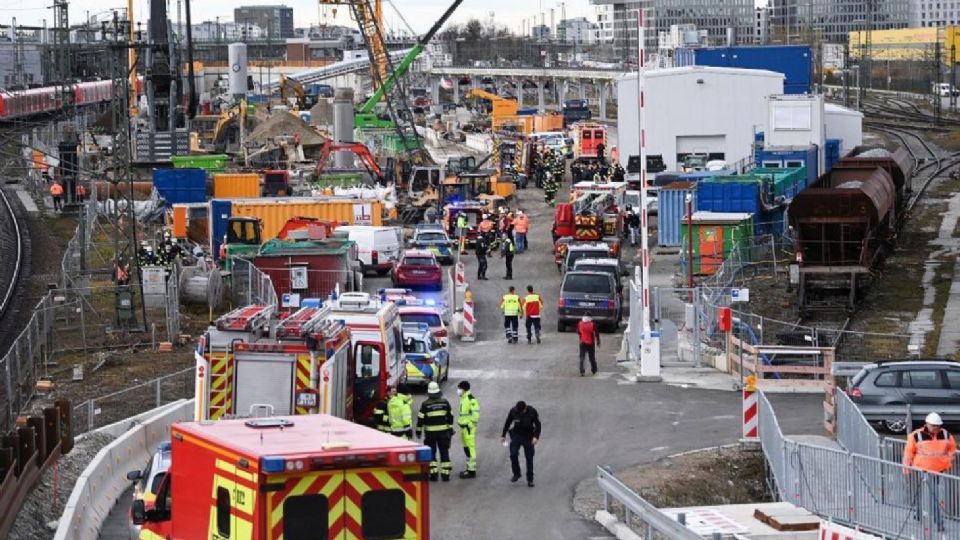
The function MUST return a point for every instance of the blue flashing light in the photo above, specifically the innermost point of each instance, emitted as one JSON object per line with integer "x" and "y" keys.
{"x": 424, "y": 454}
{"x": 431, "y": 302}
{"x": 273, "y": 464}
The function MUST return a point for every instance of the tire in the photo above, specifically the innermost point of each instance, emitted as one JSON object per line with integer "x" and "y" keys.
{"x": 898, "y": 426}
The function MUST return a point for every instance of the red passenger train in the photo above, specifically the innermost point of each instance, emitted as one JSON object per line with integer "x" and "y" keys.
{"x": 24, "y": 103}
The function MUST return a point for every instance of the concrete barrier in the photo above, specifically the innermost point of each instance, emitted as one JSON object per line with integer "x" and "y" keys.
{"x": 103, "y": 481}
{"x": 479, "y": 142}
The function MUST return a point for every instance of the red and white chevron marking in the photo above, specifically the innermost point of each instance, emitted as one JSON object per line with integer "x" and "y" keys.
{"x": 461, "y": 274}
{"x": 750, "y": 420}
{"x": 468, "y": 322}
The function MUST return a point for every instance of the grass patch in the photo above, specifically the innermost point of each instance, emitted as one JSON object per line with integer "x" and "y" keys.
{"x": 948, "y": 141}
{"x": 942, "y": 280}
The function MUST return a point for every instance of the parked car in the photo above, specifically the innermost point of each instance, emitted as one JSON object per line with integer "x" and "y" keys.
{"x": 435, "y": 241}
{"x": 422, "y": 313}
{"x": 588, "y": 293}
{"x": 378, "y": 248}
{"x": 418, "y": 268}
{"x": 926, "y": 385}
{"x": 593, "y": 250}
{"x": 146, "y": 482}
{"x": 427, "y": 360}
{"x": 607, "y": 265}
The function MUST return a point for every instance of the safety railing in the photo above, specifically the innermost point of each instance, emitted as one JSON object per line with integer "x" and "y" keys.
{"x": 249, "y": 285}
{"x": 854, "y": 432}
{"x": 872, "y": 494}
{"x": 110, "y": 408}
{"x": 637, "y": 512}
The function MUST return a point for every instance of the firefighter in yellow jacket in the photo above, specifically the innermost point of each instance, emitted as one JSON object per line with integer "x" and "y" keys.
{"x": 400, "y": 414}
{"x": 469, "y": 418}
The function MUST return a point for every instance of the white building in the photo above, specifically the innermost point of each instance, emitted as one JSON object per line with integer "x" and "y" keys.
{"x": 708, "y": 110}
{"x": 603, "y": 16}
{"x": 540, "y": 32}
{"x": 844, "y": 124}
{"x": 933, "y": 13}
{"x": 761, "y": 27}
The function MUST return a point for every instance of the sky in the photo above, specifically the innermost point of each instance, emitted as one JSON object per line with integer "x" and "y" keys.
{"x": 419, "y": 13}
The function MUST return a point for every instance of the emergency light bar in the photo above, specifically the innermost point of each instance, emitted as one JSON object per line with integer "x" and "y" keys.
{"x": 279, "y": 464}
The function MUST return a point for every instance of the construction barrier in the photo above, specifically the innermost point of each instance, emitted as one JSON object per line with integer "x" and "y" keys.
{"x": 832, "y": 531}
{"x": 750, "y": 420}
{"x": 103, "y": 481}
{"x": 461, "y": 275}
{"x": 469, "y": 334}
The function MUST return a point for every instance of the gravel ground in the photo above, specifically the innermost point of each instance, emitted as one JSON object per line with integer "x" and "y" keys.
{"x": 46, "y": 502}
{"x": 712, "y": 476}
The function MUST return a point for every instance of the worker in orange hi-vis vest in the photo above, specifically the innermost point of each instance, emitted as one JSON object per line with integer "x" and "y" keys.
{"x": 56, "y": 191}
{"x": 932, "y": 449}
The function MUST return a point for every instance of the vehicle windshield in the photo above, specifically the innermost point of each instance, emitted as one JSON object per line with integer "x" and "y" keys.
{"x": 586, "y": 284}
{"x": 431, "y": 237}
{"x": 430, "y": 319}
{"x": 695, "y": 161}
{"x": 413, "y": 345}
{"x": 595, "y": 268}
{"x": 575, "y": 255}
{"x": 417, "y": 261}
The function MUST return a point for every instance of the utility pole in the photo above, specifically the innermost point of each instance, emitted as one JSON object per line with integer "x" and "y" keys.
{"x": 938, "y": 80}
{"x": 846, "y": 75}
{"x": 866, "y": 52}
{"x": 953, "y": 77}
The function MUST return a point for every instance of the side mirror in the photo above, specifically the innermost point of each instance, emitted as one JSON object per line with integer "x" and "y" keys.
{"x": 138, "y": 512}
{"x": 133, "y": 476}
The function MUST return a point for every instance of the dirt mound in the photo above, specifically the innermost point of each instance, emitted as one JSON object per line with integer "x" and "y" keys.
{"x": 284, "y": 123}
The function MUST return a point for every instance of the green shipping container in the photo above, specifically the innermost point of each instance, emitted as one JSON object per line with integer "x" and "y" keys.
{"x": 209, "y": 163}
{"x": 777, "y": 182}
{"x": 715, "y": 237}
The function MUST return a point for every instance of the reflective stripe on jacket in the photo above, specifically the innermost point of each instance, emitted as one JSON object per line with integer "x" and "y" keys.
{"x": 930, "y": 452}
{"x": 435, "y": 416}
{"x": 400, "y": 412}
{"x": 532, "y": 304}
{"x": 469, "y": 410}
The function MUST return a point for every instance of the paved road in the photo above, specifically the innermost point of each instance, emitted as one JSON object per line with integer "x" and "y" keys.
{"x": 587, "y": 421}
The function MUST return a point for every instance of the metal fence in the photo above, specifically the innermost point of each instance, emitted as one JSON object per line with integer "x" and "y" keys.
{"x": 249, "y": 285}
{"x": 877, "y": 495}
{"x": 105, "y": 410}
{"x": 638, "y": 513}
{"x": 854, "y": 432}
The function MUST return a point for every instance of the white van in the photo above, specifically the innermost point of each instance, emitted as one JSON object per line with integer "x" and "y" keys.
{"x": 378, "y": 248}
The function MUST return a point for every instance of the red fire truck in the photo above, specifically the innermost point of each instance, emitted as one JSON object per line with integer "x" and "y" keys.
{"x": 289, "y": 477}
{"x": 249, "y": 363}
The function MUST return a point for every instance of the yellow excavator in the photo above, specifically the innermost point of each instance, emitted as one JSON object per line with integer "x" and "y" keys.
{"x": 503, "y": 111}
{"x": 290, "y": 87}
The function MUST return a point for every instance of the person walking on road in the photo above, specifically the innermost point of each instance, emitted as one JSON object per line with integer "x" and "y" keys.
{"x": 589, "y": 339}
{"x": 435, "y": 425}
{"x": 930, "y": 448}
{"x": 521, "y": 225}
{"x": 510, "y": 305}
{"x": 523, "y": 424}
{"x": 633, "y": 223}
{"x": 469, "y": 419}
{"x": 508, "y": 248}
{"x": 56, "y": 191}
{"x": 481, "y": 249}
{"x": 400, "y": 414}
{"x": 532, "y": 305}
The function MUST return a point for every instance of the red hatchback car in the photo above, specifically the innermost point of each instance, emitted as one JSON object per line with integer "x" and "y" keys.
{"x": 418, "y": 268}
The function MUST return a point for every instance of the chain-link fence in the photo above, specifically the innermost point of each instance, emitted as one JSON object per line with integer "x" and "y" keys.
{"x": 105, "y": 410}
{"x": 249, "y": 285}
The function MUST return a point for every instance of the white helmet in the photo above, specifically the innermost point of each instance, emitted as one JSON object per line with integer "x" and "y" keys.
{"x": 433, "y": 389}
{"x": 586, "y": 318}
{"x": 934, "y": 419}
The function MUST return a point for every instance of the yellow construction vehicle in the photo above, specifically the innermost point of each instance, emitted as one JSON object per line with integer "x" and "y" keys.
{"x": 290, "y": 87}
{"x": 503, "y": 111}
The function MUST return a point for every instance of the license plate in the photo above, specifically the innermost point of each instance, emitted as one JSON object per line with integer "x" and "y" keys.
{"x": 419, "y": 272}
{"x": 586, "y": 304}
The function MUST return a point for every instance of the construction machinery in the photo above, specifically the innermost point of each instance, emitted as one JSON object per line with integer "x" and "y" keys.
{"x": 503, "y": 111}
{"x": 245, "y": 234}
{"x": 359, "y": 150}
{"x": 290, "y": 87}
{"x": 593, "y": 212}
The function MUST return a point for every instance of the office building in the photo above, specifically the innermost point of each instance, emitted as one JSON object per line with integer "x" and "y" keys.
{"x": 276, "y": 20}
{"x": 794, "y": 21}
{"x": 578, "y": 30}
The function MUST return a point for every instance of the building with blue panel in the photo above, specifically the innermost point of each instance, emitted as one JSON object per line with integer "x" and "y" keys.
{"x": 795, "y": 62}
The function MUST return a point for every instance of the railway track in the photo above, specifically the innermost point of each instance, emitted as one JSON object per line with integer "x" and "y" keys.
{"x": 12, "y": 252}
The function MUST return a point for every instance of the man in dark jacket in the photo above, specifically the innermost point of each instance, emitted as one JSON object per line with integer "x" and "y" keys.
{"x": 435, "y": 425}
{"x": 523, "y": 424}
{"x": 483, "y": 246}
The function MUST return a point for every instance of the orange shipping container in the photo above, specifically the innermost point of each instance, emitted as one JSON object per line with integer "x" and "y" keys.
{"x": 547, "y": 122}
{"x": 179, "y": 221}
{"x": 274, "y": 213}
{"x": 236, "y": 186}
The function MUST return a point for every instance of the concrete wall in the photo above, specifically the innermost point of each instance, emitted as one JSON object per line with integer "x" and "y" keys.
{"x": 695, "y": 105}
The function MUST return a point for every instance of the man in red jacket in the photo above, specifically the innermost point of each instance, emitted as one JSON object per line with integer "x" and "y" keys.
{"x": 589, "y": 339}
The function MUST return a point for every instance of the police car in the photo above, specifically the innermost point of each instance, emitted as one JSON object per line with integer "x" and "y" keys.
{"x": 146, "y": 482}
{"x": 436, "y": 241}
{"x": 427, "y": 360}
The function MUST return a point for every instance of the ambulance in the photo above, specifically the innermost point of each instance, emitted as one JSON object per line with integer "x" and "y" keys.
{"x": 377, "y": 338}
{"x": 290, "y": 478}
{"x": 251, "y": 363}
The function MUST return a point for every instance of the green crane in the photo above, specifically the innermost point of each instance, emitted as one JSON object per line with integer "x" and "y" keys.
{"x": 366, "y": 117}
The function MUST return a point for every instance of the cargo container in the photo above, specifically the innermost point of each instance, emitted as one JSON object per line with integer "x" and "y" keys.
{"x": 697, "y": 176}
{"x": 308, "y": 269}
{"x": 672, "y": 201}
{"x": 771, "y": 222}
{"x": 181, "y": 185}
{"x": 213, "y": 162}
{"x": 784, "y": 183}
{"x": 773, "y": 157}
{"x": 730, "y": 194}
{"x": 275, "y": 212}
{"x": 236, "y": 185}
{"x": 831, "y": 153}
{"x": 716, "y": 236}
{"x": 795, "y": 62}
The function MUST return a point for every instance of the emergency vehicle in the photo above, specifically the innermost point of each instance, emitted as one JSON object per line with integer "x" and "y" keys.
{"x": 587, "y": 138}
{"x": 289, "y": 477}
{"x": 250, "y": 361}
{"x": 427, "y": 359}
{"x": 431, "y": 311}
{"x": 377, "y": 339}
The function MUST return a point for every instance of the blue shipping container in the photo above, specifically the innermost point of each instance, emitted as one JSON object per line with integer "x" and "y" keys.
{"x": 778, "y": 158}
{"x": 770, "y": 222}
{"x": 794, "y": 61}
{"x": 696, "y": 176}
{"x": 181, "y": 185}
{"x": 672, "y": 202}
{"x": 831, "y": 154}
{"x": 220, "y": 212}
{"x": 729, "y": 197}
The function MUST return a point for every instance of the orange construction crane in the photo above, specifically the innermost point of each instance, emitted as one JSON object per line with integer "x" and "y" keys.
{"x": 369, "y": 17}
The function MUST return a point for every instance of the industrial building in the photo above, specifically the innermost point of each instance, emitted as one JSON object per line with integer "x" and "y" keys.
{"x": 697, "y": 110}
{"x": 276, "y": 20}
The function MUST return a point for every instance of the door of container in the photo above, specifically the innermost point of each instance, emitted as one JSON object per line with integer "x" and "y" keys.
{"x": 386, "y": 502}
{"x": 711, "y": 248}
{"x": 310, "y": 505}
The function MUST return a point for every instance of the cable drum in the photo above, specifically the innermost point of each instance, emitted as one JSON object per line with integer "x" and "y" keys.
{"x": 201, "y": 286}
